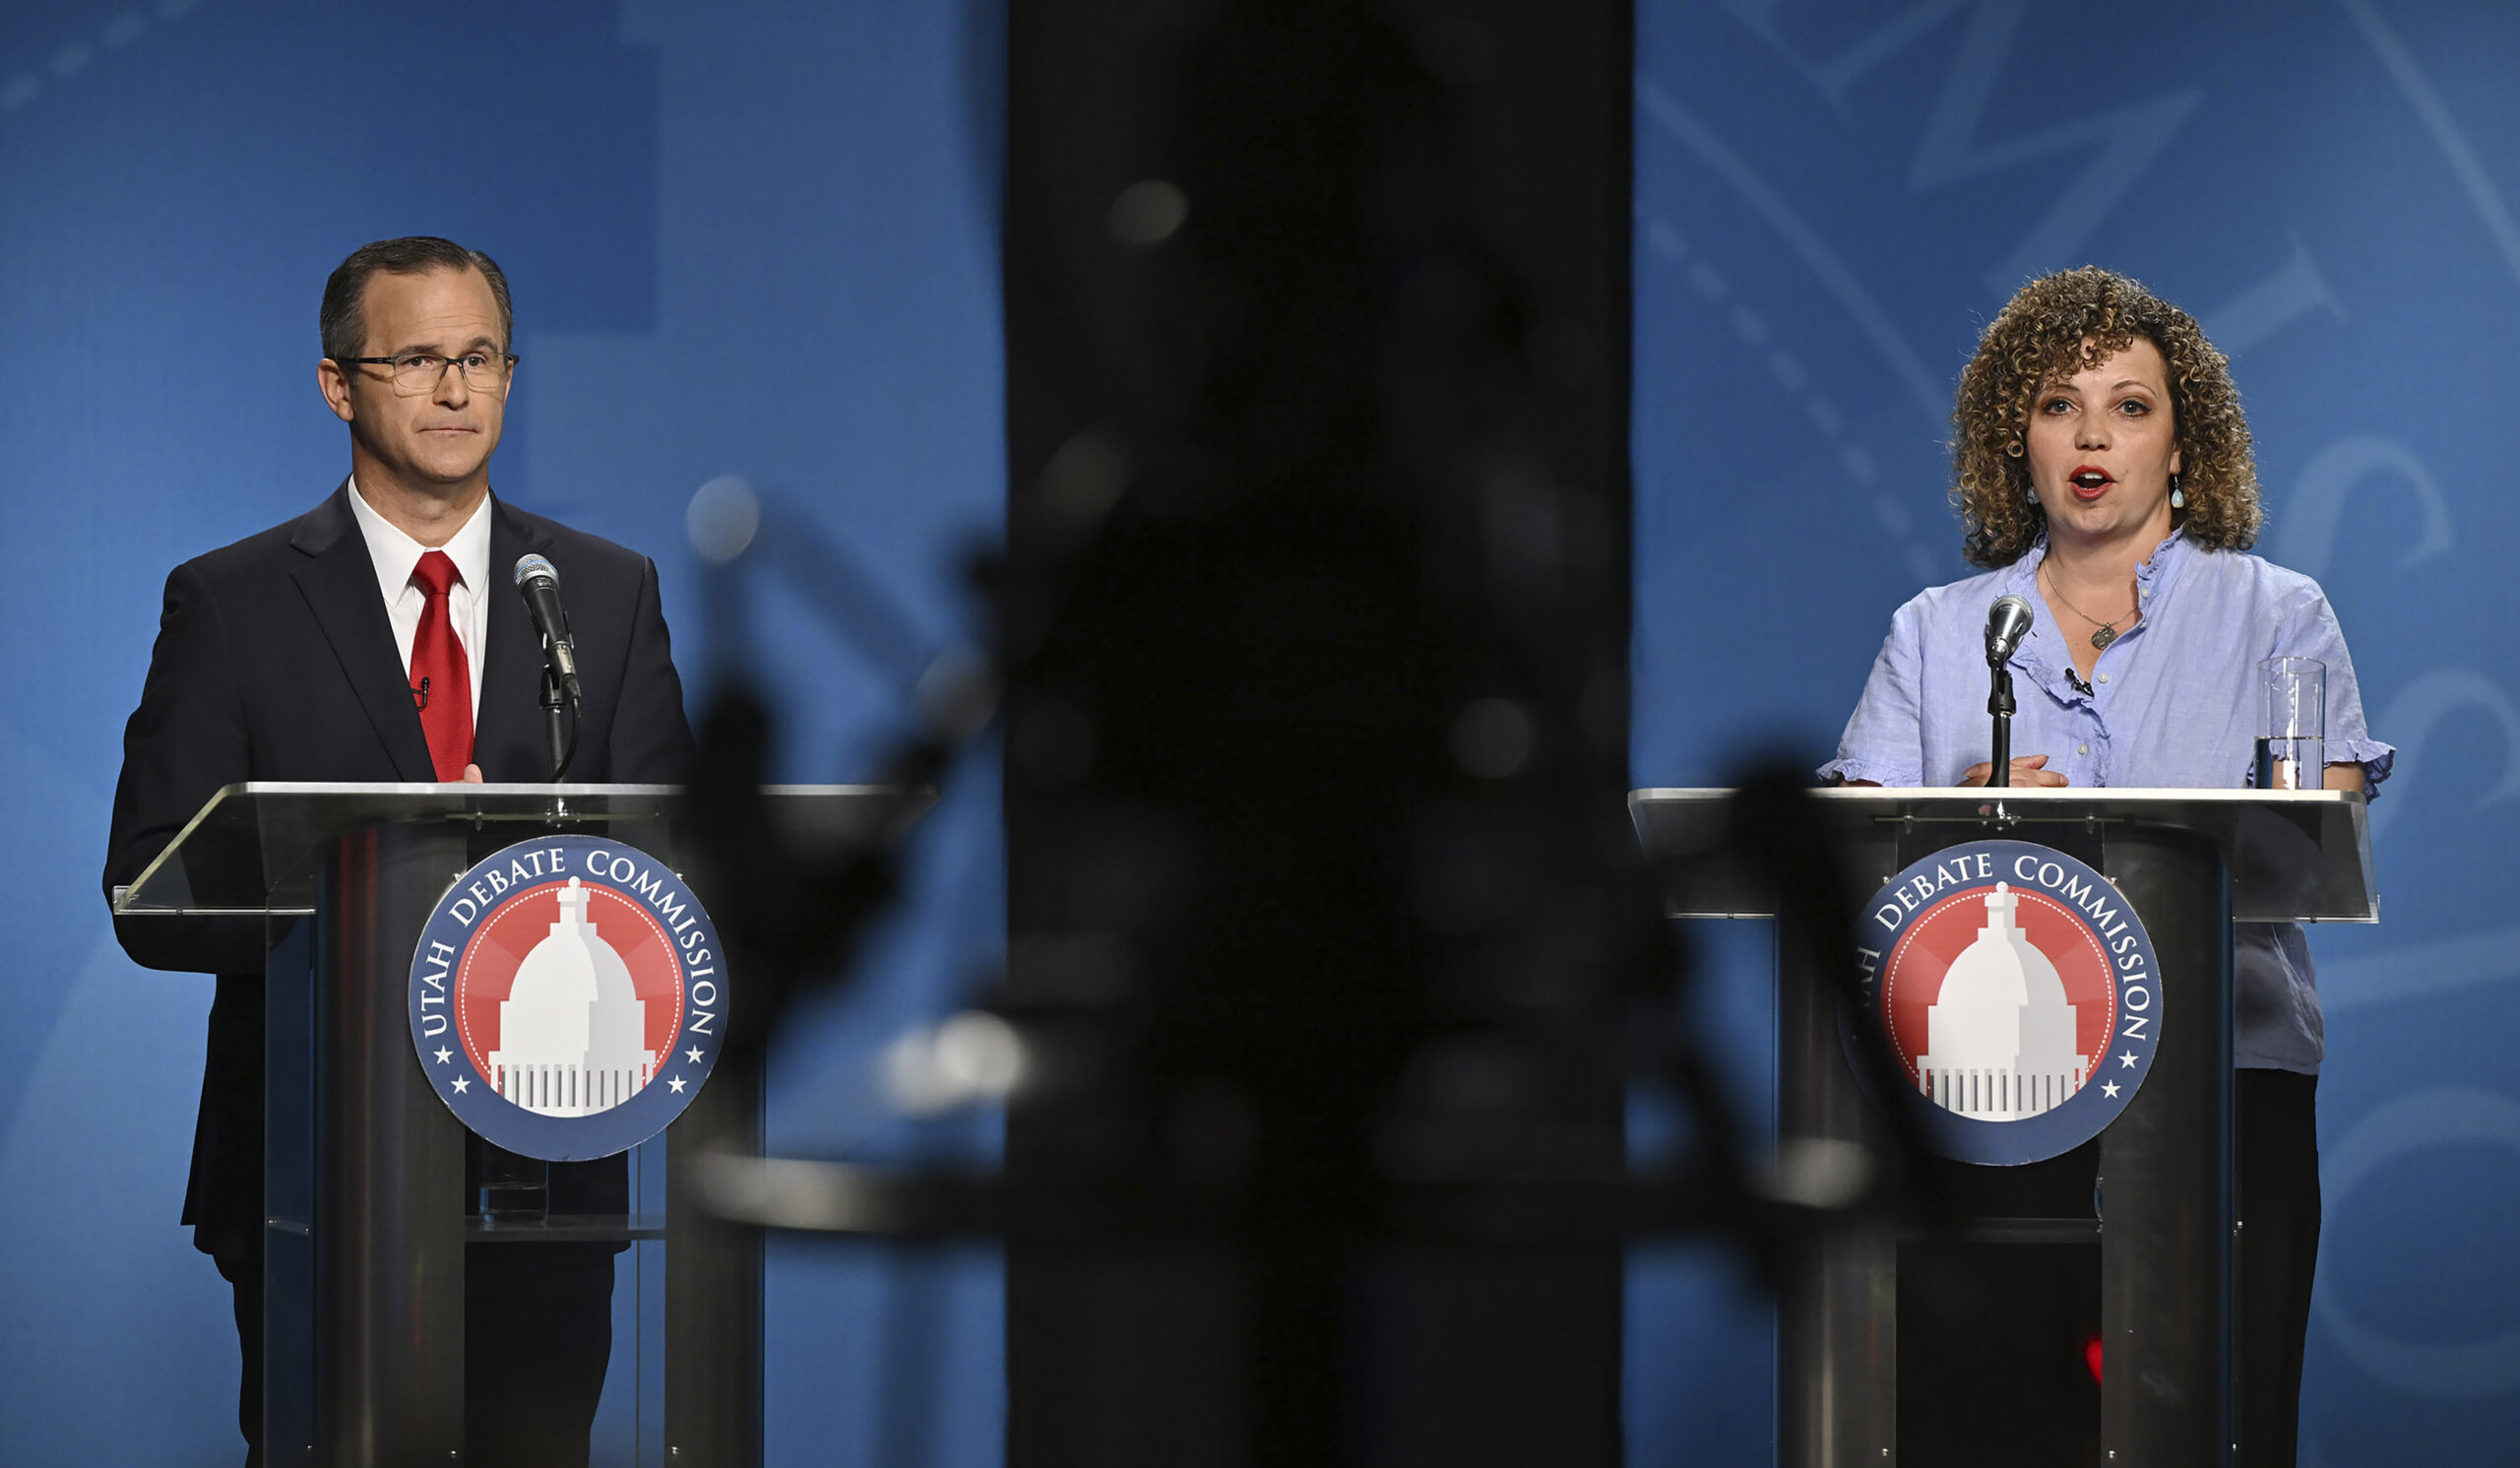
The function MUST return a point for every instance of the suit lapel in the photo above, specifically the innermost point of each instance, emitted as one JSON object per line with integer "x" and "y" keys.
{"x": 511, "y": 713}
{"x": 338, "y": 581}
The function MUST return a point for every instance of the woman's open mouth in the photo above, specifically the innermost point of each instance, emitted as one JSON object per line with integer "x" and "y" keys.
{"x": 2089, "y": 482}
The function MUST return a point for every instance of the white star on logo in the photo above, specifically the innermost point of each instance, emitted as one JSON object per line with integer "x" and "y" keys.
{"x": 694, "y": 1053}
{"x": 2126, "y": 1058}
{"x": 2109, "y": 1089}
{"x": 444, "y": 1055}
{"x": 675, "y": 1083}
{"x": 461, "y": 1085}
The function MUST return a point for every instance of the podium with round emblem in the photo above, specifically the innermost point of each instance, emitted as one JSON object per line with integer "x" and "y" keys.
{"x": 377, "y": 1062}
{"x": 2103, "y": 920}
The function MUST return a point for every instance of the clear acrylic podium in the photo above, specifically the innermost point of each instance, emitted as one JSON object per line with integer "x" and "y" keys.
{"x": 365, "y": 1223}
{"x": 2190, "y": 863}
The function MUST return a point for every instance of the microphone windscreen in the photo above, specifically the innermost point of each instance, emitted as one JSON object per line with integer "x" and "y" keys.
{"x": 529, "y": 566}
{"x": 2007, "y": 624}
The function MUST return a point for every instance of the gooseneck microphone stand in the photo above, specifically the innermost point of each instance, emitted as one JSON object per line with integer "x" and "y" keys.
{"x": 1999, "y": 704}
{"x": 561, "y": 738}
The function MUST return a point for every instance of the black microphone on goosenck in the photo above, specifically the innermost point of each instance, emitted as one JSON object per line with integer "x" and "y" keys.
{"x": 540, "y": 584}
{"x": 2007, "y": 624}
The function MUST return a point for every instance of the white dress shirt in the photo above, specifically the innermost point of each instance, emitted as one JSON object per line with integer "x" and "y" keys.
{"x": 468, "y": 603}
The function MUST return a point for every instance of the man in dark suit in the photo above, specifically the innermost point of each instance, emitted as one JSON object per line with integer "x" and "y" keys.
{"x": 375, "y": 638}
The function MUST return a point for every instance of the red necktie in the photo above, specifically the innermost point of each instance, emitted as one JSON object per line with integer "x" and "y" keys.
{"x": 441, "y": 680}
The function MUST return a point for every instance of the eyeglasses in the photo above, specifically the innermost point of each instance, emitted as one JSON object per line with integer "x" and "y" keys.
{"x": 420, "y": 371}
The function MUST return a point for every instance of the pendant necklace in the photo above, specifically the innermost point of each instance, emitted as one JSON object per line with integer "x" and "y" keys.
{"x": 2106, "y": 632}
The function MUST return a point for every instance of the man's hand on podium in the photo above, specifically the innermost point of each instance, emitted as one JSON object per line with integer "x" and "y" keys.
{"x": 472, "y": 775}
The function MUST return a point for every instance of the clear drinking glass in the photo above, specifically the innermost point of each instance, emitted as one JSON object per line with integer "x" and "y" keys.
{"x": 2292, "y": 724}
{"x": 514, "y": 1189}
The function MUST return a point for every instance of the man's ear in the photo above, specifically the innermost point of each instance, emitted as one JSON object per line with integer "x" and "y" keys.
{"x": 335, "y": 385}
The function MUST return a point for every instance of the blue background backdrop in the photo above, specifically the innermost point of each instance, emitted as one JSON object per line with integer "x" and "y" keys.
{"x": 1833, "y": 196}
{"x": 763, "y": 243}
{"x": 754, "y": 239}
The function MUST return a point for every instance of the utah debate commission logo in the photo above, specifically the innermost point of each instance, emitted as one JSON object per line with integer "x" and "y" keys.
{"x": 2019, "y": 995}
{"x": 567, "y": 998}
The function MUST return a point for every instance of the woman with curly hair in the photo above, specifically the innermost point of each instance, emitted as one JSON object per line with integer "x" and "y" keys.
{"x": 2104, "y": 474}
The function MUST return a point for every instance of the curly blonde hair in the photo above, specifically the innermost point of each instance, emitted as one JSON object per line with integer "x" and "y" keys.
{"x": 2065, "y": 323}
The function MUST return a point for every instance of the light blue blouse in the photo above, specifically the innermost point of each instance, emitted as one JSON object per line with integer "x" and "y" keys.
{"x": 2172, "y": 705}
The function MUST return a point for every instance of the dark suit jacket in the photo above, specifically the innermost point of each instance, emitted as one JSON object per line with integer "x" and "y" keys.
{"x": 275, "y": 660}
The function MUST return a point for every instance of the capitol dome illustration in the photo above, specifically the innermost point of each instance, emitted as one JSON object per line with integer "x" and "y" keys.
{"x": 573, "y": 1029}
{"x": 2000, "y": 1038}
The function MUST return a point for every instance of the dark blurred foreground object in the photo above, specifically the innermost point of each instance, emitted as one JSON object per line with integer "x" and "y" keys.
{"x": 1331, "y": 952}
{"x": 1317, "y": 345}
